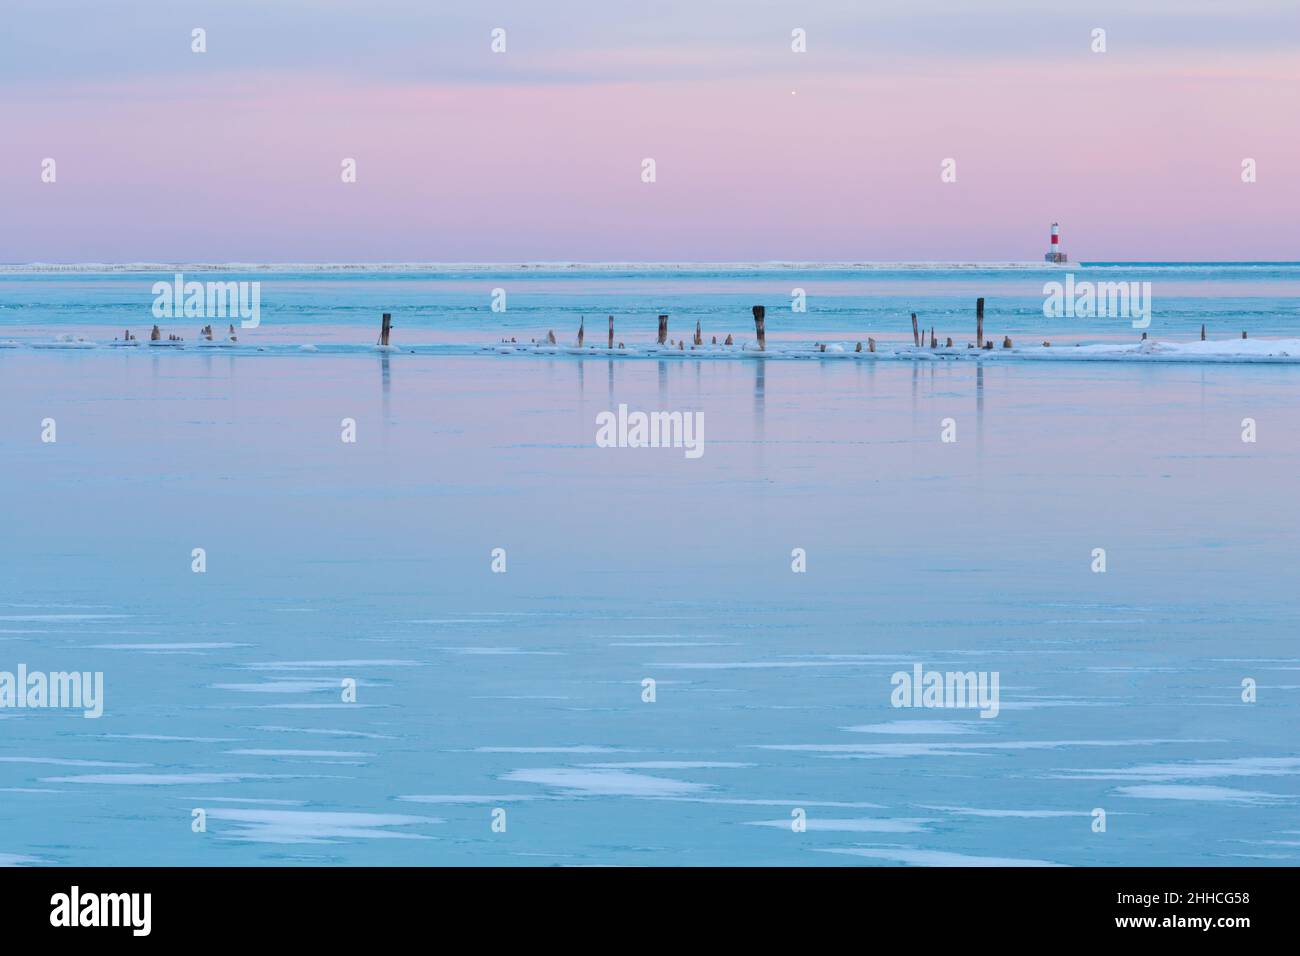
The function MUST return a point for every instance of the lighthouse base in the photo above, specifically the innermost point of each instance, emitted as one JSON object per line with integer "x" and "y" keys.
{"x": 1056, "y": 257}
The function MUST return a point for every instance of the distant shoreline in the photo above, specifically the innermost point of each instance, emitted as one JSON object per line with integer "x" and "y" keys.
{"x": 776, "y": 266}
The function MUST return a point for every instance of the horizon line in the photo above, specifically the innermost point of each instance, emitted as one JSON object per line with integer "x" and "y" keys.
{"x": 18, "y": 268}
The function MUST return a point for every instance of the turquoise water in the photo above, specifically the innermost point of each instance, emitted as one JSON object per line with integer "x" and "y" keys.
{"x": 454, "y": 304}
{"x": 523, "y": 690}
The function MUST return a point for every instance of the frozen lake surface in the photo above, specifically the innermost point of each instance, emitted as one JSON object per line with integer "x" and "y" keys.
{"x": 477, "y": 690}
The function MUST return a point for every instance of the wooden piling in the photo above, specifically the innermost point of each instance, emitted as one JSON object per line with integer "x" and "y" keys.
{"x": 582, "y": 328}
{"x": 979, "y": 322}
{"x": 949, "y": 343}
{"x": 729, "y": 340}
{"x": 934, "y": 343}
{"x": 663, "y": 329}
{"x": 871, "y": 344}
{"x": 1006, "y": 341}
{"x": 1243, "y": 333}
{"x": 760, "y": 320}
{"x": 699, "y": 339}
{"x": 1202, "y": 331}
{"x": 611, "y": 332}
{"x": 386, "y": 326}
{"x": 916, "y": 334}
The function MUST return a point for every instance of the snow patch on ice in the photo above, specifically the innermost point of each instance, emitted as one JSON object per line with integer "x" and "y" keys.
{"x": 1207, "y": 793}
{"x": 1195, "y": 770}
{"x": 451, "y": 798}
{"x": 909, "y": 856}
{"x": 910, "y": 727}
{"x": 579, "y": 749}
{"x": 313, "y": 826}
{"x": 861, "y": 825}
{"x": 603, "y": 783}
{"x": 161, "y": 779}
{"x": 1009, "y": 814}
{"x": 308, "y": 665}
{"x": 670, "y": 765}
{"x": 341, "y": 754}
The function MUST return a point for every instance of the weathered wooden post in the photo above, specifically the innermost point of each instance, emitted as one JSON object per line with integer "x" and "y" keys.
{"x": 1202, "y": 331}
{"x": 663, "y": 329}
{"x": 871, "y": 344}
{"x": 385, "y": 327}
{"x": 582, "y": 328}
{"x": 1243, "y": 333}
{"x": 699, "y": 339}
{"x": 611, "y": 332}
{"x": 1006, "y": 341}
{"x": 760, "y": 320}
{"x": 916, "y": 335}
{"x": 934, "y": 343}
{"x": 979, "y": 322}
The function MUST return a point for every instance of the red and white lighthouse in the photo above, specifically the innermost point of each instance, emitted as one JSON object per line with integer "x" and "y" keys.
{"x": 1054, "y": 253}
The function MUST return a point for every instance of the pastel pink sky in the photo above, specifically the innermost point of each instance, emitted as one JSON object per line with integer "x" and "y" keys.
{"x": 760, "y": 155}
